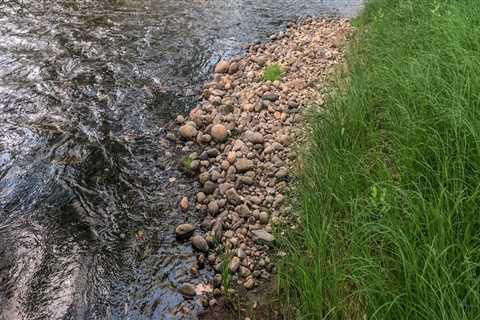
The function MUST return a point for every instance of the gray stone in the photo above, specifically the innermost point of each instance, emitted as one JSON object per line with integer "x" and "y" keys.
{"x": 254, "y": 137}
{"x": 233, "y": 197}
{"x": 188, "y": 290}
{"x": 271, "y": 97}
{"x": 199, "y": 243}
{"x": 262, "y": 236}
{"x": 209, "y": 187}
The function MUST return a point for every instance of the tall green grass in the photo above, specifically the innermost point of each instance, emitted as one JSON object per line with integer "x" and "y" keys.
{"x": 389, "y": 190}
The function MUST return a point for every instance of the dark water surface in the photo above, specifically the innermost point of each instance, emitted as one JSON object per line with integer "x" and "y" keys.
{"x": 88, "y": 203}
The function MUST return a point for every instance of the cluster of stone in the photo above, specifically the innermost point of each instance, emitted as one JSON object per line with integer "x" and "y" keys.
{"x": 239, "y": 143}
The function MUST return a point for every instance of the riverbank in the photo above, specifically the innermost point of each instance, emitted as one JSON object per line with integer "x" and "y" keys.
{"x": 388, "y": 188}
{"x": 240, "y": 145}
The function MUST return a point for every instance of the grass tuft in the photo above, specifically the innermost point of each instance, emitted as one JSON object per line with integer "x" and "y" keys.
{"x": 390, "y": 187}
{"x": 272, "y": 72}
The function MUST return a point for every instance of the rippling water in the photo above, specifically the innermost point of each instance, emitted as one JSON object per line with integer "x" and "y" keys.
{"x": 88, "y": 199}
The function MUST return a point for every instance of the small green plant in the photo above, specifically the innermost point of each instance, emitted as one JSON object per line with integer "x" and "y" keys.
{"x": 272, "y": 72}
{"x": 226, "y": 276}
{"x": 187, "y": 162}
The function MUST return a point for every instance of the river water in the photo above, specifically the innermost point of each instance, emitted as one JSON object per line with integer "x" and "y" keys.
{"x": 89, "y": 185}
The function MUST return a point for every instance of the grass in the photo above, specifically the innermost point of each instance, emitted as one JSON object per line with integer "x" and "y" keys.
{"x": 272, "y": 72}
{"x": 389, "y": 193}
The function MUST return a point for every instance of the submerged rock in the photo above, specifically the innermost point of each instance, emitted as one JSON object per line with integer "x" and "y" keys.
{"x": 184, "y": 230}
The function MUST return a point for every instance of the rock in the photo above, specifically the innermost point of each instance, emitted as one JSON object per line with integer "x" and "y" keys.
{"x": 254, "y": 137}
{"x": 219, "y": 133}
{"x": 247, "y": 180}
{"x": 233, "y": 197}
{"x": 234, "y": 67}
{"x": 218, "y": 92}
{"x": 199, "y": 243}
{"x": 201, "y": 197}
{"x": 209, "y": 187}
{"x": 234, "y": 264}
{"x": 281, "y": 173}
{"x": 244, "y": 165}
{"x": 184, "y": 230}
{"x": 184, "y": 203}
{"x": 217, "y": 281}
{"x": 249, "y": 283}
{"x": 188, "y": 132}
{"x": 248, "y": 107}
{"x": 222, "y": 66}
{"x": 213, "y": 208}
{"x": 270, "y": 97}
{"x": 203, "y": 177}
{"x": 238, "y": 145}
{"x": 180, "y": 119}
{"x": 231, "y": 157}
{"x": 188, "y": 290}
{"x": 212, "y": 152}
{"x": 262, "y": 236}
{"x": 243, "y": 211}
{"x": 263, "y": 218}
{"x": 217, "y": 230}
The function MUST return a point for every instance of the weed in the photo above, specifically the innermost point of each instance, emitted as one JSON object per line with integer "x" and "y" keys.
{"x": 272, "y": 72}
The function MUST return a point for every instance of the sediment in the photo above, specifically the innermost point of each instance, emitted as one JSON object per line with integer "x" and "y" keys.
{"x": 240, "y": 144}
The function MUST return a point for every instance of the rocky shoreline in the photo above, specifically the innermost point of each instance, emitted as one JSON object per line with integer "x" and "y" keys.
{"x": 239, "y": 143}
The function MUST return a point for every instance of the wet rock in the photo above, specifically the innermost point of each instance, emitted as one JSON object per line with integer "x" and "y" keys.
{"x": 222, "y": 66}
{"x": 199, "y": 243}
{"x": 234, "y": 67}
{"x": 188, "y": 290}
{"x": 184, "y": 230}
{"x": 219, "y": 133}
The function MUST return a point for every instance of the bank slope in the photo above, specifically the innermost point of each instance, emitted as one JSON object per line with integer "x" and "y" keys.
{"x": 389, "y": 188}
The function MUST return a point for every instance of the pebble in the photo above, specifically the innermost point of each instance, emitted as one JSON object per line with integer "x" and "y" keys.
{"x": 254, "y": 137}
{"x": 234, "y": 264}
{"x": 249, "y": 283}
{"x": 244, "y": 165}
{"x": 188, "y": 132}
{"x": 209, "y": 187}
{"x": 233, "y": 197}
{"x": 219, "y": 133}
{"x": 184, "y": 203}
{"x": 222, "y": 66}
{"x": 262, "y": 236}
{"x": 184, "y": 230}
{"x": 188, "y": 290}
{"x": 199, "y": 243}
